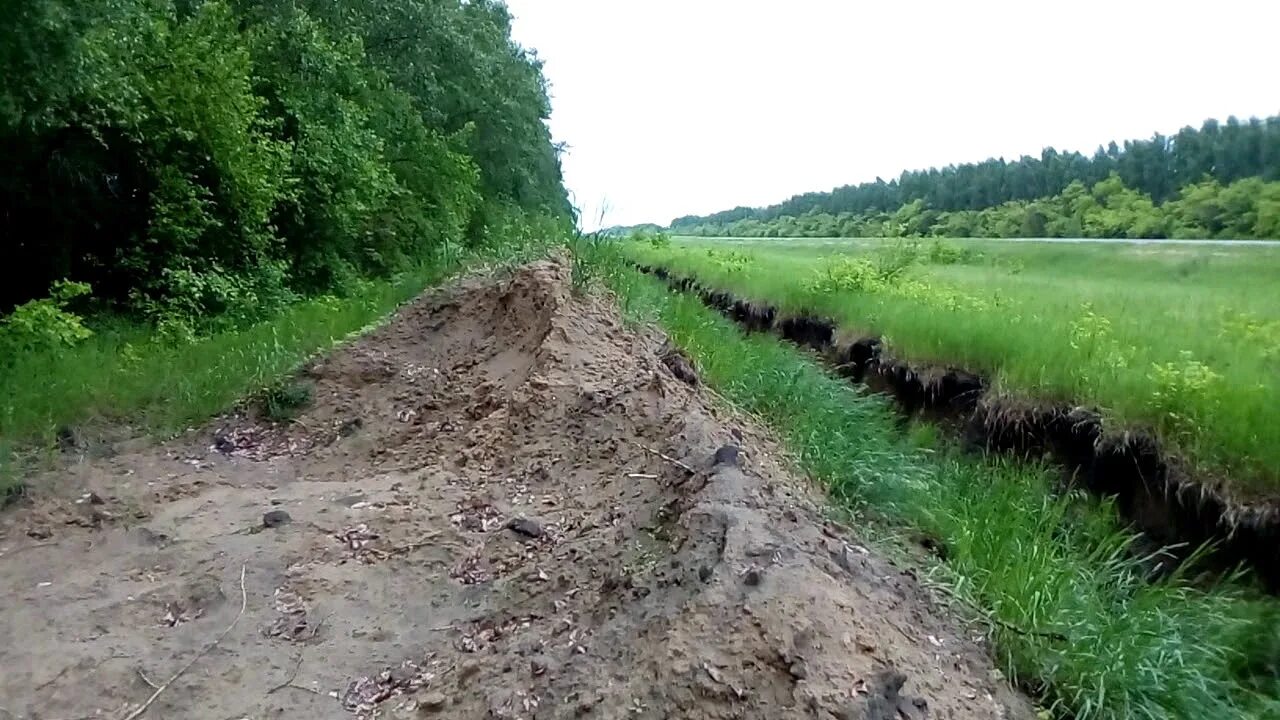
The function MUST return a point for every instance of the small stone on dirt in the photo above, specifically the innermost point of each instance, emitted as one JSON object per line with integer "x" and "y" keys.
{"x": 525, "y": 527}
{"x": 67, "y": 440}
{"x": 92, "y": 498}
{"x": 148, "y": 537}
{"x": 223, "y": 444}
{"x": 467, "y": 669}
{"x": 432, "y": 702}
{"x": 751, "y": 577}
{"x": 704, "y": 573}
{"x": 350, "y": 427}
{"x": 275, "y": 519}
{"x": 727, "y": 455}
{"x": 541, "y": 665}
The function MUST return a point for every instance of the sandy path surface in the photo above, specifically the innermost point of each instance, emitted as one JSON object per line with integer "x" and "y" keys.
{"x": 472, "y": 521}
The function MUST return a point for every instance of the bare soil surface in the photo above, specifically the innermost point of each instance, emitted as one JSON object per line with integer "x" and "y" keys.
{"x": 474, "y": 520}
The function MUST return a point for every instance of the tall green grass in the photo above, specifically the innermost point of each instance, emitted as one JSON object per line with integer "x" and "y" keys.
{"x": 125, "y": 379}
{"x": 1072, "y": 616}
{"x": 1183, "y": 341}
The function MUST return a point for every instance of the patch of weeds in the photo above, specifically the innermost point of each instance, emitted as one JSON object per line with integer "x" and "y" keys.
{"x": 924, "y": 436}
{"x": 585, "y": 248}
{"x": 284, "y": 401}
{"x": 12, "y": 488}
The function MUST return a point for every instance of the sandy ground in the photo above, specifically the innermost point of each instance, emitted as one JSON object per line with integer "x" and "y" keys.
{"x": 474, "y": 520}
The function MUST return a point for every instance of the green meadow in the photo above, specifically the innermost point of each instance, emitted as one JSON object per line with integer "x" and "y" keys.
{"x": 1181, "y": 340}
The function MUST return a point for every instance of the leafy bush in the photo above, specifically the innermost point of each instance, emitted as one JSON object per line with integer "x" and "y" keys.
{"x": 730, "y": 261}
{"x": 44, "y": 324}
{"x": 1184, "y": 392}
{"x": 941, "y": 252}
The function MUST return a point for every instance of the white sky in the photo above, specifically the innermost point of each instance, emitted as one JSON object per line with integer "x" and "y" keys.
{"x": 675, "y": 107}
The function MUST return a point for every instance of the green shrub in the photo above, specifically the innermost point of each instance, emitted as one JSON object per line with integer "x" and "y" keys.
{"x": 45, "y": 324}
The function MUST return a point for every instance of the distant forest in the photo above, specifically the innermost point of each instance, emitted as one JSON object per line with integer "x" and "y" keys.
{"x": 1222, "y": 180}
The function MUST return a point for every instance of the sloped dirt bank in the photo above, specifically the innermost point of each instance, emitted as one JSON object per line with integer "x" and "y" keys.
{"x": 1153, "y": 489}
{"x": 503, "y": 504}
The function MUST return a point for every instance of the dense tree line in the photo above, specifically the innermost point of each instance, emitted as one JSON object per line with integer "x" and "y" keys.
{"x": 1159, "y": 168}
{"x": 1248, "y": 208}
{"x": 197, "y": 157}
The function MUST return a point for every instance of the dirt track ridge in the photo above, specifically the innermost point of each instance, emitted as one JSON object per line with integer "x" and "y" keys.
{"x": 475, "y": 520}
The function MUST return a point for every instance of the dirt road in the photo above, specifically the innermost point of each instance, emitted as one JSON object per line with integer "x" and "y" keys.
{"x": 474, "y": 520}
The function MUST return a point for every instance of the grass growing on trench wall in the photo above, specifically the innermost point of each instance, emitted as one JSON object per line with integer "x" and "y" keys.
{"x": 1073, "y": 618}
{"x": 1183, "y": 340}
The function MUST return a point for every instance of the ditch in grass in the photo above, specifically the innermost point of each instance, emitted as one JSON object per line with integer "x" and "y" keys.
{"x": 1184, "y": 341}
{"x": 1037, "y": 567}
{"x": 1151, "y": 489}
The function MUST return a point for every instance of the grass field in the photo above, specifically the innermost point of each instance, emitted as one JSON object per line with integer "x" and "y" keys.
{"x": 1184, "y": 340}
{"x": 1070, "y": 611}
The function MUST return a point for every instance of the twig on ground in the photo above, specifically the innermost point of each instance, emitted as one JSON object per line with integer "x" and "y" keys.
{"x": 147, "y": 680}
{"x": 668, "y": 458}
{"x": 244, "y": 603}
{"x": 53, "y": 679}
{"x": 400, "y": 549}
{"x": 63, "y": 671}
{"x": 642, "y": 476}
{"x": 410, "y": 547}
{"x": 293, "y": 675}
{"x": 316, "y": 630}
{"x": 20, "y": 548}
{"x": 298, "y": 665}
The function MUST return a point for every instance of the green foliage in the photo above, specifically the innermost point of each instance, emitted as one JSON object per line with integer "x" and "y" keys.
{"x": 202, "y": 163}
{"x": 1155, "y": 168}
{"x": 1248, "y": 208}
{"x": 659, "y": 240}
{"x": 1183, "y": 393}
{"x": 44, "y": 325}
{"x": 942, "y": 252}
{"x": 729, "y": 261}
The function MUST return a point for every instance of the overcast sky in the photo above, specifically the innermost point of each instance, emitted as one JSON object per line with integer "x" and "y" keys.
{"x": 675, "y": 107}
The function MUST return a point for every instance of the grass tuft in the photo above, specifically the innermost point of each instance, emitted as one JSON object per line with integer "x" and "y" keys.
{"x": 284, "y": 400}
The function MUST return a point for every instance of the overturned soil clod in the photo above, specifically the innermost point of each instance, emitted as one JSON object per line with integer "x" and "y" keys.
{"x": 1153, "y": 489}
{"x": 513, "y": 532}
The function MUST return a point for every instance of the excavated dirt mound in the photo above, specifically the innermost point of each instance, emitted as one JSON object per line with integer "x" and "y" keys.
{"x": 476, "y": 519}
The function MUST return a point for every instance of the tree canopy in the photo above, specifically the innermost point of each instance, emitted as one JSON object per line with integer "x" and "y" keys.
{"x": 212, "y": 156}
{"x": 1162, "y": 170}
